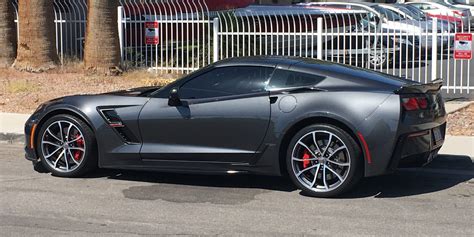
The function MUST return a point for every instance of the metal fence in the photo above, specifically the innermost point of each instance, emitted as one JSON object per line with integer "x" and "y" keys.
{"x": 165, "y": 35}
{"x": 416, "y": 48}
{"x": 185, "y": 35}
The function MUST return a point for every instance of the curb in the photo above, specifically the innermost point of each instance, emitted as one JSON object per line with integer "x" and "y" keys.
{"x": 461, "y": 107}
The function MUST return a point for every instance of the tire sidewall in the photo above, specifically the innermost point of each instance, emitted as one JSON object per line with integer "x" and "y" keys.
{"x": 355, "y": 160}
{"x": 89, "y": 140}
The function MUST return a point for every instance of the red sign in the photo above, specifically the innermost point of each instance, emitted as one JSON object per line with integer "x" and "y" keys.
{"x": 463, "y": 46}
{"x": 151, "y": 33}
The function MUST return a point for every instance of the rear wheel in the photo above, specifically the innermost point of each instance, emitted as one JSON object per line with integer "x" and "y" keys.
{"x": 67, "y": 146}
{"x": 324, "y": 161}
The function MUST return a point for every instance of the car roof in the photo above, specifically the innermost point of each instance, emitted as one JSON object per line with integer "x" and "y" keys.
{"x": 269, "y": 61}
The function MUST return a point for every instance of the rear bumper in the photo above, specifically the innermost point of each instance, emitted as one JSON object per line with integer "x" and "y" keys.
{"x": 417, "y": 149}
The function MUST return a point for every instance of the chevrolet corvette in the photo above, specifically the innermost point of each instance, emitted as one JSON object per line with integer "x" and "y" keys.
{"x": 324, "y": 125}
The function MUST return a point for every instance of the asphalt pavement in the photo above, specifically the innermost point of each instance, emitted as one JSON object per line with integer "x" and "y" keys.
{"x": 435, "y": 200}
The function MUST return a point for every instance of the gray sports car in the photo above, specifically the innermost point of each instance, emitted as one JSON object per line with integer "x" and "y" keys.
{"x": 325, "y": 125}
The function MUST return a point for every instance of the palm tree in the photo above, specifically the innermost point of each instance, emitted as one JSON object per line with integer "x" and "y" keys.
{"x": 102, "y": 50}
{"x": 36, "y": 44}
{"x": 7, "y": 34}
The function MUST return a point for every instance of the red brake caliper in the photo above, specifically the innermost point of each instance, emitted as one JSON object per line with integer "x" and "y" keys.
{"x": 306, "y": 157}
{"x": 80, "y": 143}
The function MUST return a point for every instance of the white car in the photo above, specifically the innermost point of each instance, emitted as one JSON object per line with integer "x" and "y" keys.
{"x": 404, "y": 35}
{"x": 463, "y": 4}
{"x": 441, "y": 8}
{"x": 415, "y": 16}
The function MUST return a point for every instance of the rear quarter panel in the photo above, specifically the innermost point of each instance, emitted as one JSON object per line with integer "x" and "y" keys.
{"x": 374, "y": 114}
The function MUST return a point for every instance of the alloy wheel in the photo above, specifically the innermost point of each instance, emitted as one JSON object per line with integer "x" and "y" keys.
{"x": 63, "y": 146}
{"x": 320, "y": 161}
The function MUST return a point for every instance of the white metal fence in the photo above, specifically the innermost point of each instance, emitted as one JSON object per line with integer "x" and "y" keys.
{"x": 417, "y": 49}
{"x": 185, "y": 35}
{"x": 179, "y": 34}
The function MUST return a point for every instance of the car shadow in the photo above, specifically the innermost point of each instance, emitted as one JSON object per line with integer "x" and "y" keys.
{"x": 443, "y": 173}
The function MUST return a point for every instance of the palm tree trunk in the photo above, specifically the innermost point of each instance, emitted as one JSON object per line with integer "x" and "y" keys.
{"x": 7, "y": 34}
{"x": 36, "y": 46}
{"x": 102, "y": 50}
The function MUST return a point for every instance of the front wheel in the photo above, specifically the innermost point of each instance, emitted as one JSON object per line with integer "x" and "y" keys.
{"x": 324, "y": 160}
{"x": 67, "y": 146}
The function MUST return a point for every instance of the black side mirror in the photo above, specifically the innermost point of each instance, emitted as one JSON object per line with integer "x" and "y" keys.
{"x": 173, "y": 99}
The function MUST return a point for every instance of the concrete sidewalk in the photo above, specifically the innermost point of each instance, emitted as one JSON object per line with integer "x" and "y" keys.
{"x": 11, "y": 123}
{"x": 11, "y": 129}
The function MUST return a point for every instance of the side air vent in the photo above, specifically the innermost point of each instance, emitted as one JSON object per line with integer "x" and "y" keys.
{"x": 113, "y": 119}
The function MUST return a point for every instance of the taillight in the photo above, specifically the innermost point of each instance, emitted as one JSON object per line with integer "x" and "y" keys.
{"x": 414, "y": 103}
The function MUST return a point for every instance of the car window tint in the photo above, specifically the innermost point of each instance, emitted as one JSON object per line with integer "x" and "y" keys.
{"x": 288, "y": 79}
{"x": 226, "y": 81}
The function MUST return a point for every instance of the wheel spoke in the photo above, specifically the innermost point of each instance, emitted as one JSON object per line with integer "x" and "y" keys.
{"x": 336, "y": 151}
{"x": 307, "y": 148}
{"x": 76, "y": 148}
{"x": 324, "y": 178}
{"x": 316, "y": 142}
{"x": 50, "y": 143}
{"x": 65, "y": 160}
{"x": 72, "y": 157}
{"x": 61, "y": 131}
{"x": 298, "y": 159}
{"x": 334, "y": 172}
{"x": 306, "y": 169}
{"x": 315, "y": 176}
{"x": 50, "y": 133}
{"x": 329, "y": 143}
{"x": 52, "y": 153}
{"x": 59, "y": 157}
{"x": 68, "y": 130}
{"x": 337, "y": 163}
{"x": 75, "y": 139}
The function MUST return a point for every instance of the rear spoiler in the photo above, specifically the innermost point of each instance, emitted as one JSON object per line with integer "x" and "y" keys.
{"x": 434, "y": 86}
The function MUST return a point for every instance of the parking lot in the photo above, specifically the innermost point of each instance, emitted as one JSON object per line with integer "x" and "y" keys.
{"x": 435, "y": 200}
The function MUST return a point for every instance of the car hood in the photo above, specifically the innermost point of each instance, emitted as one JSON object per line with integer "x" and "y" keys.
{"x": 135, "y": 92}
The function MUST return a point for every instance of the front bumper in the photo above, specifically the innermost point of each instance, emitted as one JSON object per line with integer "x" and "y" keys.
{"x": 417, "y": 148}
{"x": 30, "y": 130}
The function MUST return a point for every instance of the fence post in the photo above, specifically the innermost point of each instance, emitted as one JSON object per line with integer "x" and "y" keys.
{"x": 120, "y": 31}
{"x": 215, "y": 39}
{"x": 434, "y": 50}
{"x": 319, "y": 38}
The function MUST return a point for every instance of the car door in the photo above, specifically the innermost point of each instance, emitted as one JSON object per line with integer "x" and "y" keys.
{"x": 224, "y": 116}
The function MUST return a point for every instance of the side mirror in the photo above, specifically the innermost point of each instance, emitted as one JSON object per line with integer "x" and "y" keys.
{"x": 173, "y": 99}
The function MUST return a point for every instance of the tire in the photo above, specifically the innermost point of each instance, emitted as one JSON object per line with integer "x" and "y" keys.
{"x": 77, "y": 141}
{"x": 302, "y": 164}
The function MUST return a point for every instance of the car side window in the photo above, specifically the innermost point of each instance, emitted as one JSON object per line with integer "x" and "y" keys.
{"x": 226, "y": 81}
{"x": 288, "y": 79}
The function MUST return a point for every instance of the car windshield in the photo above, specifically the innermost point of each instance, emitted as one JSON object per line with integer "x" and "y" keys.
{"x": 412, "y": 11}
{"x": 389, "y": 14}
